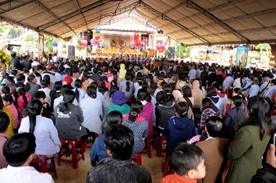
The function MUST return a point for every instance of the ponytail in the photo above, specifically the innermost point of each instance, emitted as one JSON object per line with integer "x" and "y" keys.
{"x": 136, "y": 108}
{"x": 77, "y": 93}
{"x": 25, "y": 100}
{"x": 132, "y": 116}
{"x": 78, "y": 84}
{"x": 34, "y": 109}
{"x": 22, "y": 92}
{"x": 68, "y": 97}
{"x": 91, "y": 91}
{"x": 127, "y": 86}
{"x": 128, "y": 78}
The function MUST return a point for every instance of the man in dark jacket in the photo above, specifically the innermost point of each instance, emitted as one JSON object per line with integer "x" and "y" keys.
{"x": 15, "y": 61}
{"x": 119, "y": 142}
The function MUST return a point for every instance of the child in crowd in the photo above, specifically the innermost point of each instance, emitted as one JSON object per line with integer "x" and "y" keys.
{"x": 188, "y": 162}
{"x": 19, "y": 151}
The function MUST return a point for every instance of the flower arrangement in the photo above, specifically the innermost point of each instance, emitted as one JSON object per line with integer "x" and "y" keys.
{"x": 5, "y": 58}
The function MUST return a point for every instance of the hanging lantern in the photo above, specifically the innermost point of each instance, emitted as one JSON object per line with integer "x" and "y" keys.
{"x": 83, "y": 43}
{"x": 94, "y": 41}
{"x": 160, "y": 47}
{"x": 138, "y": 44}
{"x": 54, "y": 44}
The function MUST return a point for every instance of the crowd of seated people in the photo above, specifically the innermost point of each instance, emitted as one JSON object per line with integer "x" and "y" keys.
{"x": 218, "y": 110}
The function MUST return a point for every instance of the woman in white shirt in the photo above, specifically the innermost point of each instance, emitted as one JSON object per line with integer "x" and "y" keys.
{"x": 92, "y": 111}
{"x": 126, "y": 86}
{"x": 46, "y": 135}
{"x": 80, "y": 94}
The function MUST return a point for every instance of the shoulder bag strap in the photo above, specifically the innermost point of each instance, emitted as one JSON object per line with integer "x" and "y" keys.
{"x": 264, "y": 88}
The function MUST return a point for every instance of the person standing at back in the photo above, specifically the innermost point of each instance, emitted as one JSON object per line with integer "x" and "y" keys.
{"x": 250, "y": 142}
{"x": 215, "y": 157}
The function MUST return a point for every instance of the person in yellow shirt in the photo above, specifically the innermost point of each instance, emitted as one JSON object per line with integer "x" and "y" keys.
{"x": 9, "y": 131}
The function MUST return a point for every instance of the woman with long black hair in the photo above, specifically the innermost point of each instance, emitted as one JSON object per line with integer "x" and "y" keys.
{"x": 250, "y": 141}
{"x": 47, "y": 141}
{"x": 80, "y": 94}
{"x": 23, "y": 99}
{"x": 126, "y": 86}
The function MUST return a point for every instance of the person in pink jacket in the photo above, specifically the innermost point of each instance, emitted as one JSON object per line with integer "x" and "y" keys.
{"x": 23, "y": 99}
{"x": 9, "y": 103}
{"x": 147, "y": 110}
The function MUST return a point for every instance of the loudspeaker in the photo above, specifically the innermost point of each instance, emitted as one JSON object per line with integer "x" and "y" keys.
{"x": 160, "y": 32}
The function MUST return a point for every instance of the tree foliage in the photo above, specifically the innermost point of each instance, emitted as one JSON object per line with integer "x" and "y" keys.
{"x": 30, "y": 37}
{"x": 182, "y": 50}
{"x": 48, "y": 41}
{"x": 1, "y": 29}
{"x": 13, "y": 33}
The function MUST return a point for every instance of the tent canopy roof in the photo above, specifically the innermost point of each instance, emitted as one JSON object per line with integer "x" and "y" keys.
{"x": 193, "y": 22}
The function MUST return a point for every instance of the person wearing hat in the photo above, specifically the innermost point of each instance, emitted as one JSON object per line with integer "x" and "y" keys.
{"x": 67, "y": 80}
{"x": 118, "y": 100}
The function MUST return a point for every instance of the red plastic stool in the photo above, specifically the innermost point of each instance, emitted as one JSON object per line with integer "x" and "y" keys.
{"x": 148, "y": 146}
{"x": 41, "y": 162}
{"x": 160, "y": 143}
{"x": 137, "y": 158}
{"x": 168, "y": 169}
{"x": 90, "y": 140}
{"x": 75, "y": 157}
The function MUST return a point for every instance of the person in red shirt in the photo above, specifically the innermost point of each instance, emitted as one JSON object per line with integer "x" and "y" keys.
{"x": 188, "y": 162}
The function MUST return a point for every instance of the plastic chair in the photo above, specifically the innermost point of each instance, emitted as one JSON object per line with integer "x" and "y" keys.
{"x": 160, "y": 145}
{"x": 90, "y": 140}
{"x": 75, "y": 156}
{"x": 137, "y": 158}
{"x": 148, "y": 146}
{"x": 41, "y": 163}
{"x": 168, "y": 169}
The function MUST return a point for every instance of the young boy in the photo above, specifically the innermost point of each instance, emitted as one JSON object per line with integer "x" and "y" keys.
{"x": 188, "y": 162}
{"x": 19, "y": 151}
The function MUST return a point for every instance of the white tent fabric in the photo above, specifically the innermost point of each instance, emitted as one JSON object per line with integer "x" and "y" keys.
{"x": 188, "y": 21}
